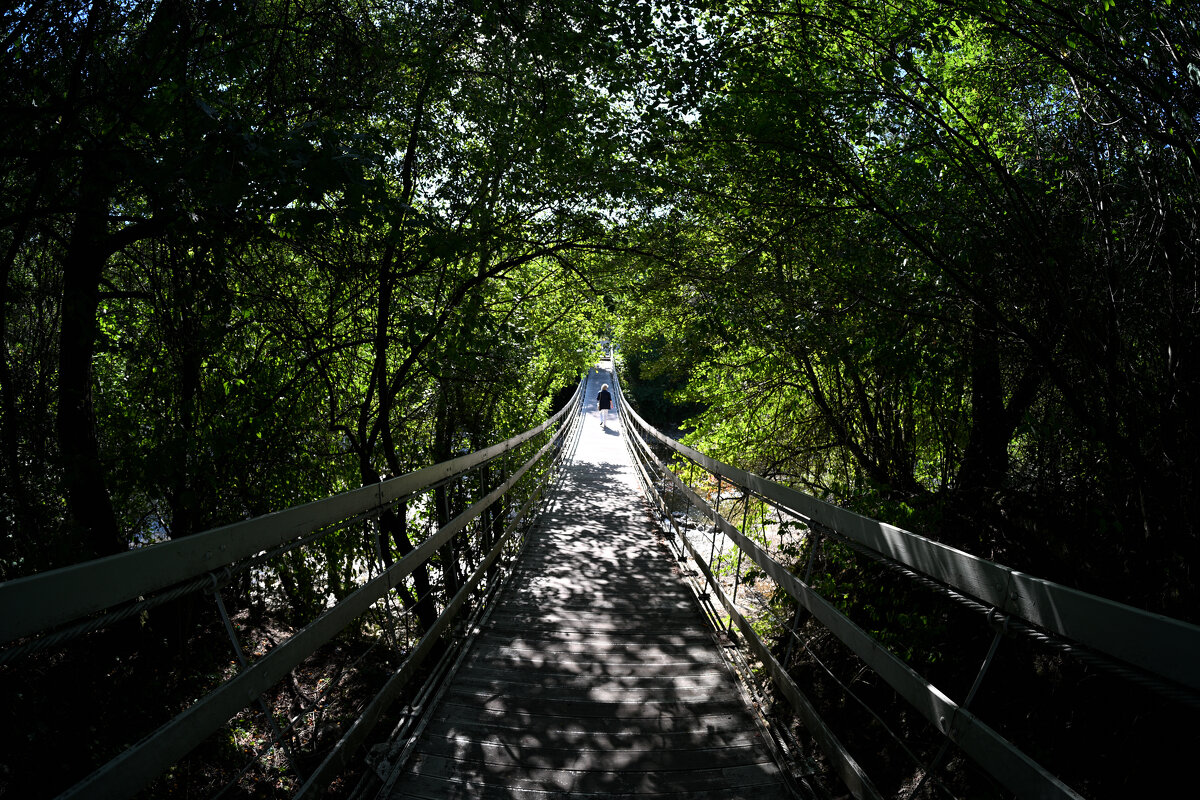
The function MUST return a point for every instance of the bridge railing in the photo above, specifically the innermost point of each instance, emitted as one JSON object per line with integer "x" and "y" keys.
{"x": 47, "y": 610}
{"x": 1141, "y": 646}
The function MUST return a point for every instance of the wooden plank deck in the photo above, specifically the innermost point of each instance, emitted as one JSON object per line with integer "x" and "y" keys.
{"x": 596, "y": 675}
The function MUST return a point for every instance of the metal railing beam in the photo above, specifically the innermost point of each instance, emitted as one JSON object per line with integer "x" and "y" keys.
{"x": 136, "y": 767}
{"x": 1165, "y": 646}
{"x": 39, "y": 602}
{"x": 987, "y": 748}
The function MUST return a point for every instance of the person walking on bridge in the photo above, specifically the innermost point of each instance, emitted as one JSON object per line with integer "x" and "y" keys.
{"x": 604, "y": 404}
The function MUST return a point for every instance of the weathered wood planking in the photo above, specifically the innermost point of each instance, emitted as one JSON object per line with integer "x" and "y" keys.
{"x": 596, "y": 675}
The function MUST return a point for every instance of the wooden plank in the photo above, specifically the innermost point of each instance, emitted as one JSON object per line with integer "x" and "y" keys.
{"x": 526, "y": 720}
{"x": 700, "y": 652}
{"x": 582, "y": 666}
{"x": 514, "y": 692}
{"x": 661, "y": 708}
{"x": 425, "y": 788}
{"x": 648, "y": 779}
{"x": 726, "y": 733}
{"x": 554, "y": 626}
{"x": 620, "y": 599}
{"x": 521, "y": 659}
{"x": 556, "y": 679}
{"x": 631, "y": 590}
{"x": 581, "y": 619}
{"x": 692, "y": 634}
{"x": 617, "y": 607}
{"x": 582, "y": 757}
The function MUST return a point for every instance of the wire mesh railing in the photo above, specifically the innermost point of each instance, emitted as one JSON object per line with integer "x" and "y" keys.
{"x": 294, "y": 701}
{"x": 699, "y": 500}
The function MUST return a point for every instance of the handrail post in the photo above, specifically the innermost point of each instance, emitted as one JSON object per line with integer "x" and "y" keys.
{"x": 449, "y": 570}
{"x": 796, "y": 614}
{"x": 712, "y": 553}
{"x": 737, "y": 571}
{"x": 987, "y": 662}
{"x": 240, "y": 653}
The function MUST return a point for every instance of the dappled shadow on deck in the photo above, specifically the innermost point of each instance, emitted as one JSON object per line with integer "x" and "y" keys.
{"x": 595, "y": 676}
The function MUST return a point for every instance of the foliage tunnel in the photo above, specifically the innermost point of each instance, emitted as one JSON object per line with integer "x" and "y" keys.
{"x": 934, "y": 260}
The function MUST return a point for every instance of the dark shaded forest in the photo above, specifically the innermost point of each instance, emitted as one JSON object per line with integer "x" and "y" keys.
{"x": 935, "y": 261}
{"x": 255, "y": 253}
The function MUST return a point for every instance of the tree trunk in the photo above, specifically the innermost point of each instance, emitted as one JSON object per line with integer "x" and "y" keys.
{"x": 88, "y": 500}
{"x": 395, "y": 525}
{"x": 985, "y": 462}
{"x": 444, "y": 425}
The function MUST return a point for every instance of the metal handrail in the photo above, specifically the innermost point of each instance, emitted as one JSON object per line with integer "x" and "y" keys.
{"x": 38, "y": 602}
{"x": 844, "y": 764}
{"x": 1159, "y": 644}
{"x": 1063, "y": 610}
{"x": 358, "y": 730}
{"x": 137, "y": 766}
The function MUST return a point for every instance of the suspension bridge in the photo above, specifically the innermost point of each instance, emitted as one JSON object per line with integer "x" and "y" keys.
{"x": 594, "y": 636}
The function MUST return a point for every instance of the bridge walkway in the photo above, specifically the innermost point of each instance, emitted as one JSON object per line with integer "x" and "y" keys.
{"x": 595, "y": 675}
